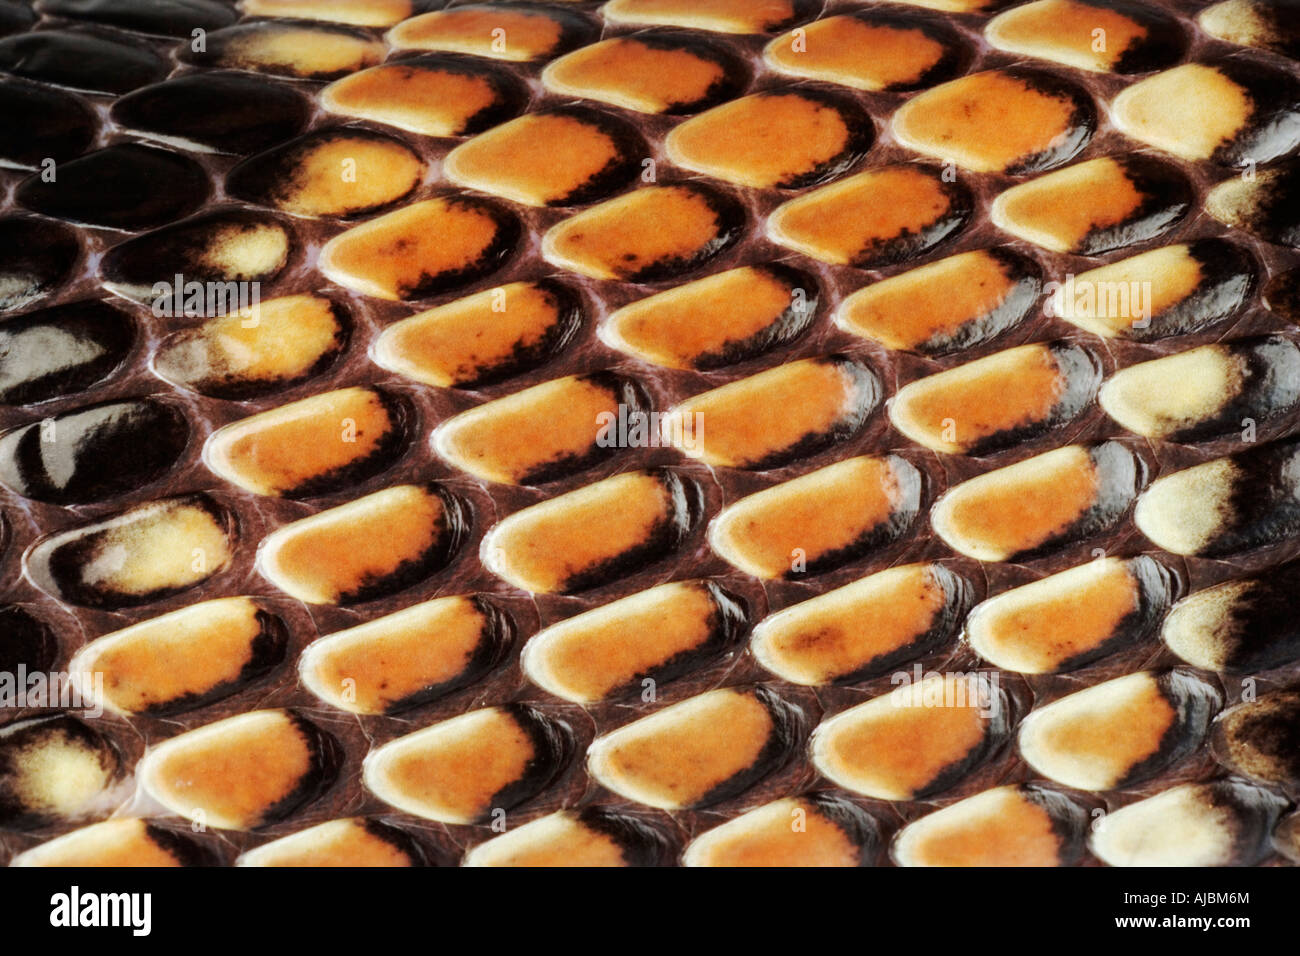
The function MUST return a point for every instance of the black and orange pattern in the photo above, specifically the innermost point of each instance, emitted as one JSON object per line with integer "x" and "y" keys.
{"x": 668, "y": 432}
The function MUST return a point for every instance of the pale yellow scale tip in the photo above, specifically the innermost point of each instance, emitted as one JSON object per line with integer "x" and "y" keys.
{"x": 1159, "y": 398}
{"x": 1202, "y": 629}
{"x": 1183, "y": 512}
{"x": 1189, "y": 111}
{"x": 1179, "y": 827}
{"x": 1238, "y": 21}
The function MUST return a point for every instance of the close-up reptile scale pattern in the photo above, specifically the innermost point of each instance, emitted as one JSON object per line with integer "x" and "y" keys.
{"x": 649, "y": 433}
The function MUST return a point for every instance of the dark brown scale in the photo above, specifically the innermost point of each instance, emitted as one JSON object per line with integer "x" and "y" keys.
{"x": 457, "y": 518}
{"x": 169, "y": 362}
{"x": 63, "y": 560}
{"x": 224, "y": 112}
{"x": 25, "y": 641}
{"x": 1079, "y": 128}
{"x": 1273, "y": 210}
{"x": 1251, "y": 812}
{"x": 15, "y": 18}
{"x": 729, "y": 621}
{"x": 1261, "y": 630}
{"x": 506, "y": 239}
{"x": 1163, "y": 45}
{"x": 997, "y": 726}
{"x": 789, "y": 726}
{"x": 270, "y": 178}
{"x": 179, "y": 249}
{"x": 400, "y": 840}
{"x": 126, "y": 186}
{"x": 182, "y": 849}
{"x": 868, "y": 390}
{"x": 641, "y": 843}
{"x": 1270, "y": 389}
{"x": 623, "y": 167}
{"x": 510, "y": 100}
{"x": 1195, "y": 702}
{"x": 1026, "y": 278}
{"x": 266, "y": 653}
{"x": 859, "y": 827}
{"x": 1264, "y": 505}
{"x": 82, "y": 60}
{"x": 569, "y": 316}
{"x": 41, "y": 124}
{"x": 952, "y": 63}
{"x": 221, "y": 48}
{"x": 625, "y": 392}
{"x": 36, "y": 256}
{"x": 1158, "y": 588}
{"x": 943, "y": 628}
{"x": 1261, "y": 739}
{"x": 1282, "y": 295}
{"x": 735, "y": 74}
{"x": 729, "y": 218}
{"x": 784, "y": 329}
{"x": 575, "y": 29}
{"x": 56, "y": 352}
{"x": 1282, "y": 26}
{"x": 861, "y": 136}
{"x": 174, "y": 18}
{"x": 1273, "y": 127}
{"x": 1070, "y": 820}
{"x": 93, "y": 453}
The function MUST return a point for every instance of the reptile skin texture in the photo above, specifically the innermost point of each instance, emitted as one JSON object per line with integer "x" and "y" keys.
{"x": 710, "y": 433}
